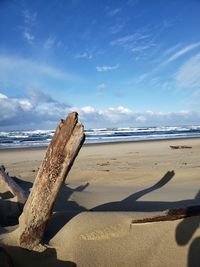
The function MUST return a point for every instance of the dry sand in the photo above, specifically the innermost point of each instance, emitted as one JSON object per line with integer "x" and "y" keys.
{"x": 109, "y": 186}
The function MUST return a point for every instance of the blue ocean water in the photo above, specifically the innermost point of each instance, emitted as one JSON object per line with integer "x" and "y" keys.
{"x": 41, "y": 138}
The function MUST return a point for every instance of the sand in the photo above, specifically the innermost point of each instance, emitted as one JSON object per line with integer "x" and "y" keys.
{"x": 109, "y": 186}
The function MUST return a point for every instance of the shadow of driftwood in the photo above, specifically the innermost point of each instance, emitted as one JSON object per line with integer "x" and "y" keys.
{"x": 131, "y": 203}
{"x": 63, "y": 202}
{"x": 64, "y": 210}
{"x": 24, "y": 184}
{"x": 184, "y": 233}
{"x": 10, "y": 209}
{"x": 9, "y": 212}
{"x": 23, "y": 258}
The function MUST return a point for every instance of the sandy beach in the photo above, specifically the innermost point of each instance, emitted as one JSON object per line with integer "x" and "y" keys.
{"x": 108, "y": 187}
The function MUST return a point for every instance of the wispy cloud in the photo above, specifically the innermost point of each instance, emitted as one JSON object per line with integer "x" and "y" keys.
{"x": 102, "y": 86}
{"x": 136, "y": 43}
{"x": 107, "y": 68}
{"x": 116, "y": 28}
{"x": 37, "y": 96}
{"x": 171, "y": 49}
{"x": 182, "y": 52}
{"x": 142, "y": 47}
{"x": 132, "y": 3}
{"x": 168, "y": 23}
{"x": 17, "y": 71}
{"x": 188, "y": 75}
{"x": 84, "y": 55}
{"x": 142, "y": 77}
{"x": 50, "y": 42}
{"x": 29, "y": 17}
{"x": 28, "y": 36}
{"x": 128, "y": 40}
{"x": 113, "y": 12}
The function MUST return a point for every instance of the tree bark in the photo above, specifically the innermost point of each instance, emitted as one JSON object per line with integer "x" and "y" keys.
{"x": 59, "y": 158}
{"x": 13, "y": 187}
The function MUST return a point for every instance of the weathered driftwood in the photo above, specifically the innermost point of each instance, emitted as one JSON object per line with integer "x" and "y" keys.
{"x": 171, "y": 215}
{"x": 59, "y": 158}
{"x": 15, "y": 189}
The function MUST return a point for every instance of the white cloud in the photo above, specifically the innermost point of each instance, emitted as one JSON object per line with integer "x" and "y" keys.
{"x": 87, "y": 109}
{"x": 188, "y": 75}
{"x": 123, "y": 116}
{"x": 26, "y": 113}
{"x": 24, "y": 103}
{"x": 107, "y": 68}
{"x": 182, "y": 52}
{"x": 12, "y": 107}
{"x": 3, "y": 96}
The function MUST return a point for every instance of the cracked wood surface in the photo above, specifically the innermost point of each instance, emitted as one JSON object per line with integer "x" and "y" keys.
{"x": 59, "y": 158}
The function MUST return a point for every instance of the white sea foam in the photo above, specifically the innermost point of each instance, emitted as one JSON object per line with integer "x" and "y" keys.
{"x": 38, "y": 138}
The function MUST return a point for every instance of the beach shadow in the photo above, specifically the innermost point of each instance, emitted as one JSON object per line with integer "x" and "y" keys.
{"x": 64, "y": 210}
{"x": 10, "y": 209}
{"x": 132, "y": 202}
{"x": 63, "y": 202}
{"x": 24, "y": 184}
{"x": 184, "y": 233}
{"x": 9, "y": 212}
{"x": 22, "y": 257}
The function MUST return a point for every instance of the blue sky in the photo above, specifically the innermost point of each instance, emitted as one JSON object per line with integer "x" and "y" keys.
{"x": 118, "y": 63}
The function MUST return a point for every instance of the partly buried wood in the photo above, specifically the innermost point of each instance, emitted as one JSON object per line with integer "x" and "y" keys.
{"x": 180, "y": 147}
{"x": 15, "y": 189}
{"x": 59, "y": 158}
{"x": 171, "y": 215}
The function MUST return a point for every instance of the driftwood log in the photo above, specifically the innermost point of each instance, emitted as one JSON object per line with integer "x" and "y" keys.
{"x": 59, "y": 158}
{"x": 13, "y": 187}
{"x": 180, "y": 147}
{"x": 172, "y": 215}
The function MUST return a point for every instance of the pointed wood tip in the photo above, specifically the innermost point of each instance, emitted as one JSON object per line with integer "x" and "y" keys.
{"x": 73, "y": 115}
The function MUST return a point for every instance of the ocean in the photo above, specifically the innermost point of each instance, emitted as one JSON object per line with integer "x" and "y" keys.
{"x": 41, "y": 138}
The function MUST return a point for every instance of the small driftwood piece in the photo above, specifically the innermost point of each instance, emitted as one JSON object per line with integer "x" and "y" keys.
{"x": 14, "y": 188}
{"x": 59, "y": 158}
{"x": 172, "y": 215}
{"x": 180, "y": 147}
